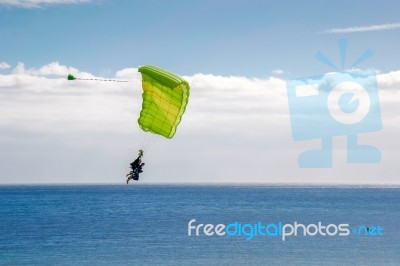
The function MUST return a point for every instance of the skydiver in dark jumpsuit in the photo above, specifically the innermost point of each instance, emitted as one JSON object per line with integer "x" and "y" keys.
{"x": 136, "y": 167}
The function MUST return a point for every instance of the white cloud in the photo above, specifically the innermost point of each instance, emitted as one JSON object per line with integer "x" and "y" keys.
{"x": 130, "y": 74}
{"x": 234, "y": 129}
{"x": 389, "y": 26}
{"x": 4, "y": 65}
{"x": 39, "y": 3}
{"x": 277, "y": 72}
{"x": 53, "y": 69}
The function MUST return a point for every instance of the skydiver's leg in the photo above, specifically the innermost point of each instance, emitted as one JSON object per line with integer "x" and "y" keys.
{"x": 129, "y": 177}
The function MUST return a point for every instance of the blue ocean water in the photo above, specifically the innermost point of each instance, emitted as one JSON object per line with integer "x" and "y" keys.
{"x": 148, "y": 225}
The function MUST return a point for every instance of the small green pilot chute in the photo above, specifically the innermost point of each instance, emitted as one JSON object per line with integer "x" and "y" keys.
{"x": 71, "y": 77}
{"x": 165, "y": 96}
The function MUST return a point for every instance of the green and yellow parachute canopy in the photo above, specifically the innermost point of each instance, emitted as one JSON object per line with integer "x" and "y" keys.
{"x": 165, "y": 97}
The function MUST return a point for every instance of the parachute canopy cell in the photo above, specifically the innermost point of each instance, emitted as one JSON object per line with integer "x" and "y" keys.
{"x": 165, "y": 96}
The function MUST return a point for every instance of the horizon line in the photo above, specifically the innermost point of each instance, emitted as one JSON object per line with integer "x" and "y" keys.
{"x": 262, "y": 184}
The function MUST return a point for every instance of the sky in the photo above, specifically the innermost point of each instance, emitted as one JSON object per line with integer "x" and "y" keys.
{"x": 237, "y": 57}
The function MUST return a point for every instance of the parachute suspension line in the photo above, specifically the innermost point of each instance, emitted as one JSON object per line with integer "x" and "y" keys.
{"x": 138, "y": 96}
{"x": 72, "y": 77}
{"x": 153, "y": 139}
{"x": 144, "y": 137}
{"x": 148, "y": 141}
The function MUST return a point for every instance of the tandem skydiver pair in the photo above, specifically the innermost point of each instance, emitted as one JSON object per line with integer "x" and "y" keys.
{"x": 137, "y": 168}
{"x": 165, "y": 97}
